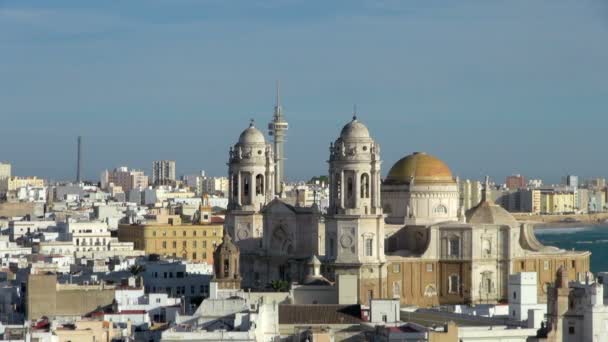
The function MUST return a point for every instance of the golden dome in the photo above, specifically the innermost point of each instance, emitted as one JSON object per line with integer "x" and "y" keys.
{"x": 422, "y": 168}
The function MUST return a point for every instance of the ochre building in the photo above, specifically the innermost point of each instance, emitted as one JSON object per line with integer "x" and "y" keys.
{"x": 168, "y": 236}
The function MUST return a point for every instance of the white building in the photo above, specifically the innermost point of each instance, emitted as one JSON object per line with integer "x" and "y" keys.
{"x": 523, "y": 295}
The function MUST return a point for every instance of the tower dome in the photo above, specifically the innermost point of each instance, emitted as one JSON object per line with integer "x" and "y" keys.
{"x": 487, "y": 212}
{"x": 355, "y": 129}
{"x": 420, "y": 167}
{"x": 251, "y": 135}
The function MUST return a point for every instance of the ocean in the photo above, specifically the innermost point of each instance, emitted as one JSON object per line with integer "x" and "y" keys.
{"x": 584, "y": 238}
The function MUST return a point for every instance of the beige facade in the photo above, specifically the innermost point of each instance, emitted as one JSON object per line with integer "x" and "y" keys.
{"x": 13, "y": 183}
{"x": 558, "y": 202}
{"x": 88, "y": 331}
{"x": 170, "y": 237}
{"x": 45, "y": 297}
{"x": 124, "y": 178}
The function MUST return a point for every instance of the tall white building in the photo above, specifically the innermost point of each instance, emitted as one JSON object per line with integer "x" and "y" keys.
{"x": 277, "y": 128}
{"x": 163, "y": 172}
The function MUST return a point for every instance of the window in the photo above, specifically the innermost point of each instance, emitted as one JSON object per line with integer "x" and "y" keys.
{"x": 157, "y": 300}
{"x": 153, "y": 233}
{"x": 441, "y": 210}
{"x": 259, "y": 185}
{"x": 194, "y": 255}
{"x": 454, "y": 247}
{"x": 331, "y": 246}
{"x": 573, "y": 264}
{"x": 453, "y": 283}
{"x": 349, "y": 187}
{"x": 194, "y": 233}
{"x": 546, "y": 265}
{"x": 522, "y": 265}
{"x": 185, "y": 244}
{"x": 226, "y": 268}
{"x": 384, "y": 318}
{"x": 369, "y": 247}
{"x": 488, "y": 285}
{"x": 204, "y": 233}
{"x": 429, "y": 267}
{"x": 396, "y": 268}
{"x": 514, "y": 295}
{"x": 204, "y": 255}
{"x": 204, "y": 244}
{"x": 174, "y": 244}
{"x": 571, "y": 330}
{"x": 184, "y": 233}
{"x": 192, "y": 289}
{"x": 194, "y": 244}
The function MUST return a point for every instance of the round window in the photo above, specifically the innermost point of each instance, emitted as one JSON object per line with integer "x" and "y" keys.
{"x": 259, "y": 152}
{"x": 364, "y": 148}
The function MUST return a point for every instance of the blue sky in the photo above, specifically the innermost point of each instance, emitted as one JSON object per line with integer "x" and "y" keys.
{"x": 491, "y": 87}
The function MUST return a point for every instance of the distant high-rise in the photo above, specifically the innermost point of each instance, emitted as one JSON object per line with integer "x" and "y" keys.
{"x": 278, "y": 129}
{"x": 5, "y": 170}
{"x": 516, "y": 182}
{"x": 163, "y": 172}
{"x": 571, "y": 181}
{"x": 79, "y": 160}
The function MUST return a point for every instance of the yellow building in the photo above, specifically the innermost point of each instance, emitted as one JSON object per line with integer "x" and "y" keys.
{"x": 558, "y": 202}
{"x": 168, "y": 236}
{"x": 13, "y": 183}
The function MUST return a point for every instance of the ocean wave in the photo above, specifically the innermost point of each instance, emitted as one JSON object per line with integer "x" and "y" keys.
{"x": 559, "y": 231}
{"x": 585, "y": 242}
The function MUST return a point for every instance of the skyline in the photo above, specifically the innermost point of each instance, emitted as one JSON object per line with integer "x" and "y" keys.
{"x": 487, "y": 87}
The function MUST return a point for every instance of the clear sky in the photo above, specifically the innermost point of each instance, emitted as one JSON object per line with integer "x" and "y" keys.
{"x": 491, "y": 87}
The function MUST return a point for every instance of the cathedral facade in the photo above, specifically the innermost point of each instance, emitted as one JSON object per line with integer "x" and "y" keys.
{"x": 402, "y": 237}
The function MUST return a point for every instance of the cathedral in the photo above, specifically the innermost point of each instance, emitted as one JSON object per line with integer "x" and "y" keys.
{"x": 403, "y": 236}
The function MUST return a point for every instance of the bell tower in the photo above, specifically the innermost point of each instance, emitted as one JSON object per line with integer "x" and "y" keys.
{"x": 355, "y": 222}
{"x": 251, "y": 183}
{"x": 226, "y": 265}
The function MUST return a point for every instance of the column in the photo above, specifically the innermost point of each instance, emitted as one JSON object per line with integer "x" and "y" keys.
{"x": 357, "y": 185}
{"x": 372, "y": 184}
{"x": 252, "y": 193}
{"x": 330, "y": 178}
{"x": 342, "y": 189}
{"x": 231, "y": 186}
{"x": 240, "y": 188}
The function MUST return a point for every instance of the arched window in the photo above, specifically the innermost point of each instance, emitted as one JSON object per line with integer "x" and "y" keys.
{"x": 349, "y": 187}
{"x": 365, "y": 185}
{"x": 454, "y": 246}
{"x": 235, "y": 185}
{"x": 246, "y": 186}
{"x": 259, "y": 185}
{"x": 453, "y": 283}
{"x": 441, "y": 210}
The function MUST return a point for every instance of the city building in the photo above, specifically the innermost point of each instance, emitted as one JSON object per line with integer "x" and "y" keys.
{"x": 124, "y": 178}
{"x": 558, "y": 201}
{"x": 163, "y": 172}
{"x": 570, "y": 181}
{"x": 5, "y": 170}
{"x": 13, "y": 183}
{"x": 169, "y": 236}
{"x": 48, "y": 298}
{"x": 576, "y": 311}
{"x": 215, "y": 186}
{"x": 515, "y": 182}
